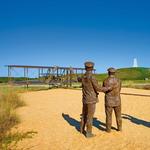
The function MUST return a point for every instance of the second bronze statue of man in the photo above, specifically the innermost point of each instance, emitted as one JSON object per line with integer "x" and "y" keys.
{"x": 90, "y": 90}
{"x": 112, "y": 99}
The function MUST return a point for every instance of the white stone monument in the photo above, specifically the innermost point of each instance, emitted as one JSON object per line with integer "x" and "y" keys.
{"x": 135, "y": 64}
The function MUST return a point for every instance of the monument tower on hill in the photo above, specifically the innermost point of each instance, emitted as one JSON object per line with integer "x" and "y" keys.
{"x": 135, "y": 64}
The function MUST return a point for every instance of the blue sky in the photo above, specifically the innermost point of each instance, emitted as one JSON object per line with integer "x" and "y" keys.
{"x": 69, "y": 32}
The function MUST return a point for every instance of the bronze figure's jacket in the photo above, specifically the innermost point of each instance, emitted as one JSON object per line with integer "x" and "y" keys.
{"x": 89, "y": 88}
{"x": 112, "y": 96}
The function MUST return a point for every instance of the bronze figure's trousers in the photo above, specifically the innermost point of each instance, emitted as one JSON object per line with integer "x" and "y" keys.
{"x": 108, "y": 111}
{"x": 87, "y": 117}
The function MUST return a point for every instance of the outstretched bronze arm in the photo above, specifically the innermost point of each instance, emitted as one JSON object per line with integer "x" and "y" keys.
{"x": 106, "y": 88}
{"x": 97, "y": 87}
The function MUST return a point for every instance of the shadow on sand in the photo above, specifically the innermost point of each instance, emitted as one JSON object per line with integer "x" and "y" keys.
{"x": 136, "y": 120}
{"x": 75, "y": 123}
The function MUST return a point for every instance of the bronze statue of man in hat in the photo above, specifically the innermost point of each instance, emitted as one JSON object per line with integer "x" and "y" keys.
{"x": 112, "y": 99}
{"x": 90, "y": 90}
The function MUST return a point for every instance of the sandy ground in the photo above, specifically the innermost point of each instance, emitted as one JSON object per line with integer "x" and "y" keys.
{"x": 55, "y": 115}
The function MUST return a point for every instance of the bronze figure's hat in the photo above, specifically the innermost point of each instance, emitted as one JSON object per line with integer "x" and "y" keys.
{"x": 89, "y": 64}
{"x": 113, "y": 70}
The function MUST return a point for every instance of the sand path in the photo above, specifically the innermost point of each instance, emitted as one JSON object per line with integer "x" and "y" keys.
{"x": 55, "y": 115}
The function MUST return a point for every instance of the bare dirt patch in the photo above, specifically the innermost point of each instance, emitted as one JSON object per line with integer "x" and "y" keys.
{"x": 55, "y": 115}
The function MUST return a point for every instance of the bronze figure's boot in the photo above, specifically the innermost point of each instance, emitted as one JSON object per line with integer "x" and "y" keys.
{"x": 119, "y": 128}
{"x": 89, "y": 134}
{"x": 108, "y": 128}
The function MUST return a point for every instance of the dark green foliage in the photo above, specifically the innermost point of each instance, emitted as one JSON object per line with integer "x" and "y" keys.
{"x": 3, "y": 79}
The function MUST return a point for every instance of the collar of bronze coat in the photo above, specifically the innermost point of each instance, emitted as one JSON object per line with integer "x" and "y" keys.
{"x": 88, "y": 74}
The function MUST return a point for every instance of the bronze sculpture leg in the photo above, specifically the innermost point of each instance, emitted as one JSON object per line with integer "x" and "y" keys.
{"x": 90, "y": 114}
{"x": 117, "y": 110}
{"x": 108, "y": 111}
{"x": 83, "y": 118}
{"x": 87, "y": 119}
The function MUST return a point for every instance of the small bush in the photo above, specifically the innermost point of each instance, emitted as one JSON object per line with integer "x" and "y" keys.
{"x": 9, "y": 101}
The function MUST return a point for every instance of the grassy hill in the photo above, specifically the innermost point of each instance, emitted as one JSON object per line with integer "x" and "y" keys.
{"x": 139, "y": 73}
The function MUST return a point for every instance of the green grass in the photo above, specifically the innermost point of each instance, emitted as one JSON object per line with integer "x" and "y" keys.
{"x": 134, "y": 74}
{"x": 130, "y": 77}
{"x": 138, "y": 73}
{"x": 6, "y": 79}
{"x": 11, "y": 140}
{"x": 101, "y": 77}
{"x": 5, "y": 88}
